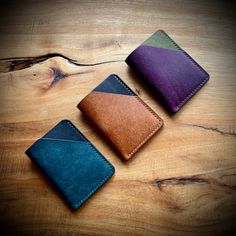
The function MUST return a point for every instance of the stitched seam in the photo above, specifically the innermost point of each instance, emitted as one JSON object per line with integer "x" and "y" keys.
{"x": 192, "y": 93}
{"x": 194, "y": 63}
{"x": 171, "y": 40}
{"x": 148, "y": 108}
{"x": 150, "y": 134}
{"x": 102, "y": 157}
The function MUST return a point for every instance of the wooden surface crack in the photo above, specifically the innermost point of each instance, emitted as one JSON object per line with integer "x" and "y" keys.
{"x": 59, "y": 75}
{"x": 187, "y": 180}
{"x": 213, "y": 129}
{"x": 19, "y": 63}
{"x": 183, "y": 180}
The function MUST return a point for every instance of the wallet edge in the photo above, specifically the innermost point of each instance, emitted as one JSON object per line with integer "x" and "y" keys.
{"x": 104, "y": 180}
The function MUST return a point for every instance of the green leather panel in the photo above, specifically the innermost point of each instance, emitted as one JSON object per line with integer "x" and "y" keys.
{"x": 161, "y": 40}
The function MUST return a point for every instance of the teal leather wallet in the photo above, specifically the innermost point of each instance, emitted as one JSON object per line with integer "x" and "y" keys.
{"x": 71, "y": 162}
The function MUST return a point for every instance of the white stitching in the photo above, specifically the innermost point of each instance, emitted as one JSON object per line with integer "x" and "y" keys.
{"x": 148, "y": 108}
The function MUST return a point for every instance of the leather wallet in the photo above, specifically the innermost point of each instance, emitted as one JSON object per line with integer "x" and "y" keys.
{"x": 168, "y": 69}
{"x": 71, "y": 162}
{"x": 121, "y": 115}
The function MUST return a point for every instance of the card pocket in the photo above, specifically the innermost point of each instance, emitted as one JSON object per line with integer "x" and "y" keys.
{"x": 71, "y": 163}
{"x": 168, "y": 69}
{"x": 121, "y": 115}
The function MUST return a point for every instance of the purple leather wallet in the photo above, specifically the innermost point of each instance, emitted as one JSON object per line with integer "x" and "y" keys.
{"x": 168, "y": 69}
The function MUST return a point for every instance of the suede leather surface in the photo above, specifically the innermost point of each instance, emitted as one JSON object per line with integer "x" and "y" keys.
{"x": 170, "y": 71}
{"x": 71, "y": 162}
{"x": 125, "y": 119}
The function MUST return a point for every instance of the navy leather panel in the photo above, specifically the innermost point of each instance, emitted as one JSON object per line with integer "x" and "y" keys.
{"x": 75, "y": 167}
{"x": 112, "y": 84}
{"x": 62, "y": 131}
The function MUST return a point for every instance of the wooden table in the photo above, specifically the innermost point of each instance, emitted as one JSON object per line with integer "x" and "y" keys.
{"x": 183, "y": 182}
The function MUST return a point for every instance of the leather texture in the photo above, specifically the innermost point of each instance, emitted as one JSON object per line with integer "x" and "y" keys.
{"x": 121, "y": 115}
{"x": 71, "y": 162}
{"x": 169, "y": 70}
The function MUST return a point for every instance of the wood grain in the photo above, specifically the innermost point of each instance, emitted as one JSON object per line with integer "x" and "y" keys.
{"x": 182, "y": 182}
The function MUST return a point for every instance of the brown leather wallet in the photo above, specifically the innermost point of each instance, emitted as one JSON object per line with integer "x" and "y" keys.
{"x": 121, "y": 115}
